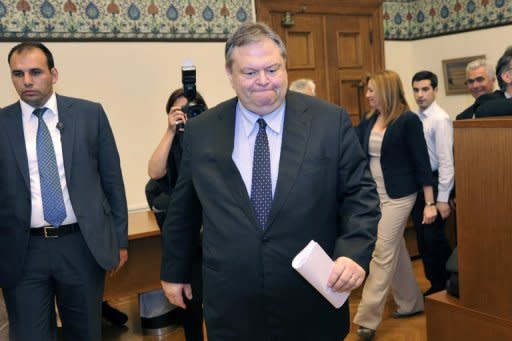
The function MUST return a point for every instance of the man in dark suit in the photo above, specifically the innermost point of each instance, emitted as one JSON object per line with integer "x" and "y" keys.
{"x": 480, "y": 78}
{"x": 63, "y": 219}
{"x": 500, "y": 106}
{"x": 271, "y": 170}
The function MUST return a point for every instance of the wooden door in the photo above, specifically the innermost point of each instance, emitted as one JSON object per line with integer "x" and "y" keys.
{"x": 350, "y": 60}
{"x": 305, "y": 44}
{"x": 334, "y": 42}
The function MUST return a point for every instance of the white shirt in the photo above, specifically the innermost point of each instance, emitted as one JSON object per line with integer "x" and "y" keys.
{"x": 246, "y": 130}
{"x": 30, "y": 124}
{"x": 438, "y": 130}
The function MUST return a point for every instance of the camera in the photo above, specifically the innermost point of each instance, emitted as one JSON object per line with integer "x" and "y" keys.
{"x": 192, "y": 108}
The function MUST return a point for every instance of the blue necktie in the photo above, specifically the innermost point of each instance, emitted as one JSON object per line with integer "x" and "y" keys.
{"x": 261, "y": 187}
{"x": 51, "y": 192}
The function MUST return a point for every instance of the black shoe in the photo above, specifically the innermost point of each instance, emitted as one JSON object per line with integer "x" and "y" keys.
{"x": 433, "y": 290}
{"x": 113, "y": 315}
{"x": 398, "y": 315}
{"x": 365, "y": 334}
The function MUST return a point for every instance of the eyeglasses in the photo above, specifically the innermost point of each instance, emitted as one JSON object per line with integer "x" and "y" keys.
{"x": 471, "y": 81}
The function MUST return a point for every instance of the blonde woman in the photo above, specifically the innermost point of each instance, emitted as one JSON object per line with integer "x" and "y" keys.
{"x": 392, "y": 137}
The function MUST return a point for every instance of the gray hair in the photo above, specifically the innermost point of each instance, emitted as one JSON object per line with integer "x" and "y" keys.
{"x": 249, "y": 33}
{"x": 301, "y": 84}
{"x": 478, "y": 63}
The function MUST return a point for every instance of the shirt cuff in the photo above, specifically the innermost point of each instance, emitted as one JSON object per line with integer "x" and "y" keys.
{"x": 443, "y": 196}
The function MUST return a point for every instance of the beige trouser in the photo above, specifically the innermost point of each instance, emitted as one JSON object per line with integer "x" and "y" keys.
{"x": 390, "y": 266}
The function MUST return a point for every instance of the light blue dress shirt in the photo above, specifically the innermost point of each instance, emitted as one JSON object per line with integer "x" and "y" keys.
{"x": 30, "y": 124}
{"x": 246, "y": 130}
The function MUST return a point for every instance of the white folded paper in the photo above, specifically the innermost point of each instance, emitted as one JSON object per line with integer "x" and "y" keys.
{"x": 315, "y": 266}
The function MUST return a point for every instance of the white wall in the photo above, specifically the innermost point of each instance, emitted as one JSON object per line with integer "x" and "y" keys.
{"x": 133, "y": 82}
{"x": 427, "y": 54}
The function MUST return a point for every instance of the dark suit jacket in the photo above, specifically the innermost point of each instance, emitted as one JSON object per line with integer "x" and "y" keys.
{"x": 404, "y": 156}
{"x": 324, "y": 192}
{"x": 497, "y": 107}
{"x": 93, "y": 177}
{"x": 470, "y": 111}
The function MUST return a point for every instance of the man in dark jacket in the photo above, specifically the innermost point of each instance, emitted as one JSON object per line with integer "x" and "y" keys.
{"x": 270, "y": 170}
{"x": 63, "y": 216}
{"x": 480, "y": 79}
{"x": 500, "y": 106}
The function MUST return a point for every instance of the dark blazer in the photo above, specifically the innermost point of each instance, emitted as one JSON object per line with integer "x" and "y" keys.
{"x": 497, "y": 107}
{"x": 93, "y": 177}
{"x": 470, "y": 111}
{"x": 324, "y": 192}
{"x": 404, "y": 156}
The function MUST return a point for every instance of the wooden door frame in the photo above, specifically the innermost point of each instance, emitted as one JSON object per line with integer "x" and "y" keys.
{"x": 372, "y": 8}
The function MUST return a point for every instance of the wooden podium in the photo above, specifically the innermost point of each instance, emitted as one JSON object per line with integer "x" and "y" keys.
{"x": 483, "y": 173}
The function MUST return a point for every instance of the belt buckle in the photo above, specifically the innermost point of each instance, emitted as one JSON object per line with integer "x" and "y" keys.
{"x": 45, "y": 229}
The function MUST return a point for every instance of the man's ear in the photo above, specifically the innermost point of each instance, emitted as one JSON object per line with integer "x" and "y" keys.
{"x": 507, "y": 77}
{"x": 229, "y": 73}
{"x": 55, "y": 75}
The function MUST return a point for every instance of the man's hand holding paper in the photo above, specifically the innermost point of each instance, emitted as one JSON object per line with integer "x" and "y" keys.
{"x": 334, "y": 280}
{"x": 346, "y": 275}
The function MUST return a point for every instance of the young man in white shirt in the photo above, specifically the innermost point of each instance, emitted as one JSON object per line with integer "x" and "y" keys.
{"x": 437, "y": 127}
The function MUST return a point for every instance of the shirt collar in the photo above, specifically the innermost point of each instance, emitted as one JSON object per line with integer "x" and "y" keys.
{"x": 27, "y": 109}
{"x": 429, "y": 110}
{"x": 274, "y": 119}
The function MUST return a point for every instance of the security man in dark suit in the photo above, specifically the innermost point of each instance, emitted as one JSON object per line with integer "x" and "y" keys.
{"x": 63, "y": 218}
{"x": 270, "y": 170}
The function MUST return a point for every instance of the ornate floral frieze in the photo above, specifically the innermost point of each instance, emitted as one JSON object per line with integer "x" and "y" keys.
{"x": 122, "y": 19}
{"x": 409, "y": 20}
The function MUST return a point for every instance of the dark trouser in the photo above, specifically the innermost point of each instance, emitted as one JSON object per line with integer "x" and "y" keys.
{"x": 433, "y": 245}
{"x": 192, "y": 317}
{"x": 61, "y": 269}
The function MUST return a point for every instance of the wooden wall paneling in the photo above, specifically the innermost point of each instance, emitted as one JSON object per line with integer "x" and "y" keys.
{"x": 482, "y": 149}
{"x": 449, "y": 320}
{"x": 483, "y": 165}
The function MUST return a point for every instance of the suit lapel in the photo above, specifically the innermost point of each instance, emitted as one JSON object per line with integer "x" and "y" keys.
{"x": 14, "y": 128}
{"x": 224, "y": 149}
{"x": 296, "y": 132}
{"x": 66, "y": 117}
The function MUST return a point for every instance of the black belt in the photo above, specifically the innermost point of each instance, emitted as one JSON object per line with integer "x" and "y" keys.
{"x": 54, "y": 232}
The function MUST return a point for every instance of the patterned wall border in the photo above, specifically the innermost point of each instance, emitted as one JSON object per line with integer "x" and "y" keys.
{"x": 410, "y": 20}
{"x": 129, "y": 20}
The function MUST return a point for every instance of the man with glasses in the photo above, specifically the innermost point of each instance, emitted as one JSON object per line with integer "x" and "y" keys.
{"x": 480, "y": 79}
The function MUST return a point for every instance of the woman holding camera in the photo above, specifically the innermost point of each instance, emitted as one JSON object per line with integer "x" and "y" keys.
{"x": 163, "y": 167}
